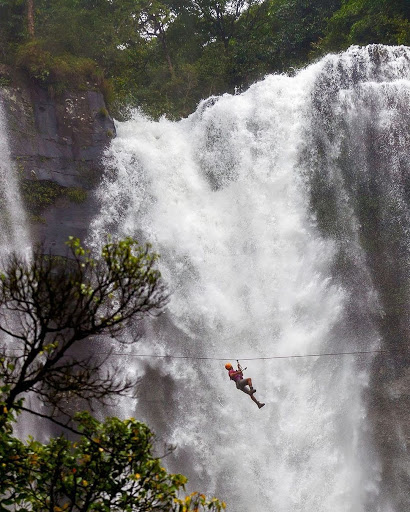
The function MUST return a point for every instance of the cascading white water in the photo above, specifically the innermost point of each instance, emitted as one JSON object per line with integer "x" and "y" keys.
{"x": 225, "y": 197}
{"x": 13, "y": 230}
{"x": 14, "y": 234}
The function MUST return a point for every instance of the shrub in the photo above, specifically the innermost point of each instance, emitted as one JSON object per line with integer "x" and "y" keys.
{"x": 60, "y": 72}
{"x": 110, "y": 467}
{"x": 40, "y": 194}
{"x": 76, "y": 195}
{"x": 103, "y": 112}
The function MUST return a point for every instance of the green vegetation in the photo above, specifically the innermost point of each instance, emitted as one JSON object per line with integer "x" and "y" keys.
{"x": 76, "y": 194}
{"x": 58, "y": 73}
{"x": 4, "y": 81}
{"x": 109, "y": 468}
{"x": 38, "y": 195}
{"x": 166, "y": 55}
{"x": 55, "y": 303}
{"x": 368, "y": 21}
{"x": 103, "y": 112}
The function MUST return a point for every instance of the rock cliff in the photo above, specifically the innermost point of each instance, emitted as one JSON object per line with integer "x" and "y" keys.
{"x": 57, "y": 144}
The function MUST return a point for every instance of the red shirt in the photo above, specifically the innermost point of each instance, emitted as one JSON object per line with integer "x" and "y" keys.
{"x": 236, "y": 377}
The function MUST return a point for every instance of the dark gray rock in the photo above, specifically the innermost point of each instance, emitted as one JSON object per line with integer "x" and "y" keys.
{"x": 61, "y": 140}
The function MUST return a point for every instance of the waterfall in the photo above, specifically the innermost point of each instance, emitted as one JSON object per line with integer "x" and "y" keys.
{"x": 13, "y": 228}
{"x": 14, "y": 235}
{"x": 264, "y": 210}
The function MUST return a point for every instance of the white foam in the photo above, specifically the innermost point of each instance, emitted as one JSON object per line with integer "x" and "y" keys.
{"x": 224, "y": 199}
{"x": 13, "y": 228}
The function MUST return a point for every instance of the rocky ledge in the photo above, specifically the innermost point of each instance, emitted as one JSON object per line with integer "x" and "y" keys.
{"x": 57, "y": 144}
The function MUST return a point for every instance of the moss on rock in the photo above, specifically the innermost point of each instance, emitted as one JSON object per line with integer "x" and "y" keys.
{"x": 59, "y": 73}
{"x": 38, "y": 195}
{"x": 76, "y": 194}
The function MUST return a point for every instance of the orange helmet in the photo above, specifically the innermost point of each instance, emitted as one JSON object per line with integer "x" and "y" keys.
{"x": 228, "y": 366}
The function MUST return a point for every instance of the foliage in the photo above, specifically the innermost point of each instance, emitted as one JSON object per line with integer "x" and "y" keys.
{"x": 110, "y": 468}
{"x": 103, "y": 112}
{"x": 40, "y": 194}
{"x": 59, "y": 72}
{"x": 4, "y": 81}
{"x": 49, "y": 304}
{"x": 76, "y": 194}
{"x": 164, "y": 56}
{"x": 367, "y": 21}
{"x": 12, "y": 30}
{"x": 297, "y": 25}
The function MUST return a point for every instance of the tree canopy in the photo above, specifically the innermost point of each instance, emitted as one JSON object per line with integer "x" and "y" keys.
{"x": 109, "y": 468}
{"x": 166, "y": 55}
{"x": 49, "y": 304}
{"x": 368, "y": 21}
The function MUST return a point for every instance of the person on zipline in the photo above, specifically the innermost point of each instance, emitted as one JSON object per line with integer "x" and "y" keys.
{"x": 241, "y": 383}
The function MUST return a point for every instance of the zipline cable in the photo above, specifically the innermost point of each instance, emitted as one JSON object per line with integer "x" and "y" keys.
{"x": 261, "y": 358}
{"x": 323, "y": 354}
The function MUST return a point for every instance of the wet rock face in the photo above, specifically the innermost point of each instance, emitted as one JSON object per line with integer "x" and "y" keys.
{"x": 57, "y": 145}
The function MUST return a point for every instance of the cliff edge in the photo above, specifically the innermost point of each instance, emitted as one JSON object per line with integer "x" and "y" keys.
{"x": 57, "y": 144}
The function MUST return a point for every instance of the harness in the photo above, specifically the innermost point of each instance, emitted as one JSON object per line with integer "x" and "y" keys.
{"x": 240, "y": 369}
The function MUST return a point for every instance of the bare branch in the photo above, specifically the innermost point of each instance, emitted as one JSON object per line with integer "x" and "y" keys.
{"x": 49, "y": 304}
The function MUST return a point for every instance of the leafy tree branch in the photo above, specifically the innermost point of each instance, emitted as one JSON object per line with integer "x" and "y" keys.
{"x": 110, "y": 468}
{"x": 49, "y": 304}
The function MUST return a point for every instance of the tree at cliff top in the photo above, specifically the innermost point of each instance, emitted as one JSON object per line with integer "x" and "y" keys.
{"x": 368, "y": 21}
{"x": 49, "y": 304}
{"x": 295, "y": 26}
{"x": 109, "y": 468}
{"x": 219, "y": 46}
{"x": 11, "y": 27}
{"x": 30, "y": 18}
{"x": 166, "y": 55}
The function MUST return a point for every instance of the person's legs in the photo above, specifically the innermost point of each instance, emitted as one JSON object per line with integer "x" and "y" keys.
{"x": 250, "y": 385}
{"x": 259, "y": 404}
{"x": 254, "y": 399}
{"x": 241, "y": 385}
